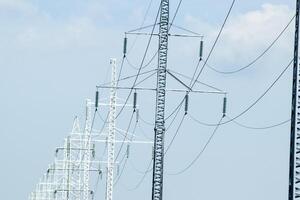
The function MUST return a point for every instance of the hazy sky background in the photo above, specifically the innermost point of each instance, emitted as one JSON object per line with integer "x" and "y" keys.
{"x": 54, "y": 53}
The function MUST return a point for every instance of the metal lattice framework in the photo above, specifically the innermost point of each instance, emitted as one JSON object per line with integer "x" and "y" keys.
{"x": 111, "y": 133}
{"x": 88, "y": 147}
{"x": 158, "y": 163}
{"x": 68, "y": 178}
{"x": 294, "y": 175}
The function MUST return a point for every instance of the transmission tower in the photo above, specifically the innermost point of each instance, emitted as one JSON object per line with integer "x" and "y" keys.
{"x": 111, "y": 133}
{"x": 87, "y": 157}
{"x": 294, "y": 173}
{"x": 158, "y": 163}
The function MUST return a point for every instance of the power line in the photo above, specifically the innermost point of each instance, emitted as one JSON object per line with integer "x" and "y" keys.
{"x": 125, "y": 137}
{"x": 257, "y": 58}
{"x": 142, "y": 24}
{"x": 242, "y": 125}
{"x": 146, "y": 65}
{"x": 124, "y": 155}
{"x": 146, "y": 78}
{"x": 143, "y": 178}
{"x": 252, "y": 105}
{"x": 142, "y": 63}
{"x": 129, "y": 77}
{"x": 175, "y": 14}
{"x": 175, "y": 135}
{"x": 214, "y": 45}
{"x": 262, "y": 127}
{"x": 268, "y": 89}
{"x": 221, "y": 123}
{"x": 201, "y": 152}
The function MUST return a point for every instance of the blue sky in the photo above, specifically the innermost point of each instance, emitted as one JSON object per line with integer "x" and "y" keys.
{"x": 54, "y": 53}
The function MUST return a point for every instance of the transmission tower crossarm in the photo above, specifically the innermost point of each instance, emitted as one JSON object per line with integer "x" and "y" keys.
{"x": 167, "y": 90}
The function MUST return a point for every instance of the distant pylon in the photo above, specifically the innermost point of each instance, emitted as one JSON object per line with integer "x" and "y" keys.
{"x": 111, "y": 133}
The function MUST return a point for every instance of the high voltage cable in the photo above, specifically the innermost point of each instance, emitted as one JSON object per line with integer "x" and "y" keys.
{"x": 142, "y": 24}
{"x": 174, "y": 118}
{"x": 178, "y": 106}
{"x": 122, "y": 144}
{"x": 145, "y": 121}
{"x": 201, "y": 152}
{"x": 124, "y": 156}
{"x": 149, "y": 41}
{"x": 175, "y": 135}
{"x": 214, "y": 45}
{"x": 146, "y": 78}
{"x": 129, "y": 77}
{"x": 143, "y": 60}
{"x": 143, "y": 132}
{"x": 149, "y": 166}
{"x": 175, "y": 14}
{"x": 254, "y": 103}
{"x": 262, "y": 127}
{"x": 258, "y": 57}
{"x": 240, "y": 124}
{"x": 136, "y": 169}
{"x": 122, "y": 170}
{"x": 131, "y": 118}
{"x": 220, "y": 122}
{"x": 143, "y": 178}
{"x": 146, "y": 65}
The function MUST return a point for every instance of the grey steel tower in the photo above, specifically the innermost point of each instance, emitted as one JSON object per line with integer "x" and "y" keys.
{"x": 158, "y": 163}
{"x": 294, "y": 174}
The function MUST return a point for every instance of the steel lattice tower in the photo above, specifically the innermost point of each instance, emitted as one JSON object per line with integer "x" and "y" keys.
{"x": 294, "y": 174}
{"x": 112, "y": 133}
{"x": 87, "y": 150}
{"x": 158, "y": 163}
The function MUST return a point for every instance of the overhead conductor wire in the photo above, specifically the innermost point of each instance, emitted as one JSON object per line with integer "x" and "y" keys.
{"x": 214, "y": 45}
{"x": 146, "y": 172}
{"x": 258, "y": 57}
{"x": 192, "y": 85}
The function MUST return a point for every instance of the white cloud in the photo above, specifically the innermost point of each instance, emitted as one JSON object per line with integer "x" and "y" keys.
{"x": 247, "y": 34}
{"x": 21, "y": 6}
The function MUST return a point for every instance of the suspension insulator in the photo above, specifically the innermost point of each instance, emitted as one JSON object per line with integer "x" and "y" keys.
{"x": 127, "y": 151}
{"x": 224, "y": 106}
{"x": 137, "y": 115}
{"x": 56, "y": 152}
{"x": 201, "y": 50}
{"x": 118, "y": 169}
{"x": 134, "y": 101}
{"x": 125, "y": 46}
{"x": 97, "y": 99}
{"x": 152, "y": 152}
{"x": 186, "y": 107}
{"x": 94, "y": 151}
{"x": 100, "y": 173}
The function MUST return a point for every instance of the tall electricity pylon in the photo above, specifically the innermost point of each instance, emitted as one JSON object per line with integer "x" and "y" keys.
{"x": 158, "y": 163}
{"x": 294, "y": 174}
{"x": 87, "y": 147}
{"x": 111, "y": 133}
